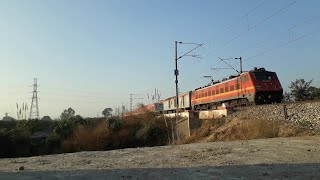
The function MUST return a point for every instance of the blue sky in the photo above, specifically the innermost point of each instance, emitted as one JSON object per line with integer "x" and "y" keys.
{"x": 89, "y": 55}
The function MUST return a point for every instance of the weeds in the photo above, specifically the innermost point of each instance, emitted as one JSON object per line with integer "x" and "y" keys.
{"x": 132, "y": 131}
{"x": 244, "y": 129}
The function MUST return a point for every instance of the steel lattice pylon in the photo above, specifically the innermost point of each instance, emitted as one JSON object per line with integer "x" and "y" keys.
{"x": 34, "y": 110}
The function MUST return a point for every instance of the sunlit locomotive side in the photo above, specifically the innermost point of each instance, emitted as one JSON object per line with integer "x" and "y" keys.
{"x": 249, "y": 88}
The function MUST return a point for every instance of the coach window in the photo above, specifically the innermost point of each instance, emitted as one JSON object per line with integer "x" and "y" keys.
{"x": 213, "y": 92}
{"x": 231, "y": 87}
{"x": 202, "y": 95}
{"x": 226, "y": 89}
{"x": 217, "y": 91}
{"x": 205, "y": 94}
{"x": 221, "y": 90}
{"x": 209, "y": 93}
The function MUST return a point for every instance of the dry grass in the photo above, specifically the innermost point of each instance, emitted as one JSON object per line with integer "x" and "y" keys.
{"x": 133, "y": 131}
{"x": 86, "y": 138}
{"x": 244, "y": 129}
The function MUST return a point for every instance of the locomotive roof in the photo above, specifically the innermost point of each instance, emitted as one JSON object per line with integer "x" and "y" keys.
{"x": 222, "y": 82}
{"x": 175, "y": 96}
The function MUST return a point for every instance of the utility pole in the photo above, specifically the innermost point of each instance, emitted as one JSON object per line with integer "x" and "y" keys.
{"x": 34, "y": 110}
{"x": 176, "y": 71}
{"x": 131, "y": 100}
{"x": 240, "y": 58}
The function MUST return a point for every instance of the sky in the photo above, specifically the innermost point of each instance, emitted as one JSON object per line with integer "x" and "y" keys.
{"x": 90, "y": 55}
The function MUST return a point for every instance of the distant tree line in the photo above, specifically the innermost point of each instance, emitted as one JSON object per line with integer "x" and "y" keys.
{"x": 301, "y": 90}
{"x": 71, "y": 133}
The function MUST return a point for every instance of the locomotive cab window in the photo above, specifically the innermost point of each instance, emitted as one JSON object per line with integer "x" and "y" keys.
{"x": 243, "y": 79}
{"x": 247, "y": 78}
{"x": 265, "y": 76}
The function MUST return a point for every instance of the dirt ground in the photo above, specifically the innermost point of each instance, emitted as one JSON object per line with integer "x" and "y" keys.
{"x": 276, "y": 158}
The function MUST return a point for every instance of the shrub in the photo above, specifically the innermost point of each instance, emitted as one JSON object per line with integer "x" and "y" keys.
{"x": 21, "y": 140}
{"x": 86, "y": 138}
{"x": 151, "y": 134}
{"x": 53, "y": 143}
{"x": 6, "y": 144}
{"x": 114, "y": 123}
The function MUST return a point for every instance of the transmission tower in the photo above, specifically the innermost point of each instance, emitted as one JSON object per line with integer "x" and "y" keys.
{"x": 34, "y": 110}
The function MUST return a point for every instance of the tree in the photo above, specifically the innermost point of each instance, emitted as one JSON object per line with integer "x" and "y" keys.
{"x": 287, "y": 97}
{"x": 107, "y": 112}
{"x": 301, "y": 90}
{"x": 315, "y": 92}
{"x": 67, "y": 114}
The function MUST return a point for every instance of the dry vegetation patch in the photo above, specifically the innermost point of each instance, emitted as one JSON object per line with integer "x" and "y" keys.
{"x": 128, "y": 132}
{"x": 225, "y": 129}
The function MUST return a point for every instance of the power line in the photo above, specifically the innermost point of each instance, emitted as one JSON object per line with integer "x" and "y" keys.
{"x": 72, "y": 101}
{"x": 238, "y": 19}
{"x": 265, "y": 19}
{"x": 254, "y": 26}
{"x": 289, "y": 42}
{"x": 304, "y": 22}
{"x": 292, "y": 27}
{"x": 80, "y": 96}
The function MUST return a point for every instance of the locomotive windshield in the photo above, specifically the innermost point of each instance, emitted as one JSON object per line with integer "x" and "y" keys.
{"x": 265, "y": 75}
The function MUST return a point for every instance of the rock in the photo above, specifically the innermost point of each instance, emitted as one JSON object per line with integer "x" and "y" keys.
{"x": 21, "y": 168}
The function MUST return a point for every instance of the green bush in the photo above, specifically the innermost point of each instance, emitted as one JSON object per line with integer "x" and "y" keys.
{"x": 6, "y": 144}
{"x": 21, "y": 140}
{"x": 114, "y": 123}
{"x": 53, "y": 143}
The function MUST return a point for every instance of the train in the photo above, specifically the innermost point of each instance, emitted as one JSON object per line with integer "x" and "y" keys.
{"x": 254, "y": 87}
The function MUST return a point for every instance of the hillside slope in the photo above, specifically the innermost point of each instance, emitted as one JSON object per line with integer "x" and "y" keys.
{"x": 291, "y": 158}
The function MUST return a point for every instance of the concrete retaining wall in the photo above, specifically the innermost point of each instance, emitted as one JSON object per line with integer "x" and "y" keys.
{"x": 187, "y": 123}
{"x": 211, "y": 114}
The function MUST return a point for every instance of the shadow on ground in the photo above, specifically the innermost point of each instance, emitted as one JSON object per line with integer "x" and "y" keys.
{"x": 261, "y": 171}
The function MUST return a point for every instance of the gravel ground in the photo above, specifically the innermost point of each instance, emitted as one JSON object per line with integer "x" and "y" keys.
{"x": 277, "y": 158}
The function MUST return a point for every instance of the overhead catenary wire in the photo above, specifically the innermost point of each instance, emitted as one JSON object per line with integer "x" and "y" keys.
{"x": 241, "y": 17}
{"x": 254, "y": 26}
{"x": 277, "y": 12}
{"x": 283, "y": 44}
{"x": 268, "y": 39}
{"x": 240, "y": 34}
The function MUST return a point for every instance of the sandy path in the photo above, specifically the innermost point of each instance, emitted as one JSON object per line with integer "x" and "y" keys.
{"x": 280, "y": 158}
